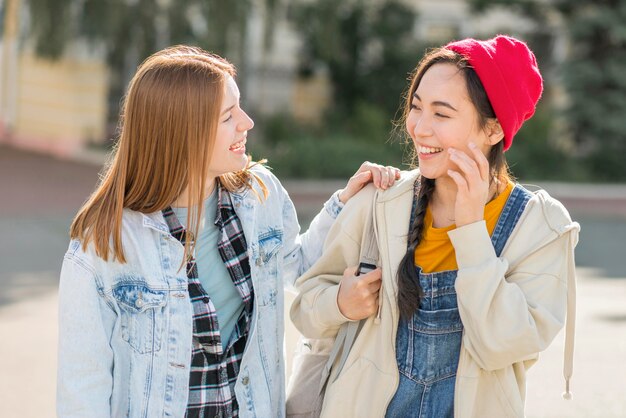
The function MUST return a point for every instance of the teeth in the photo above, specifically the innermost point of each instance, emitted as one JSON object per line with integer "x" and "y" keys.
{"x": 428, "y": 150}
{"x": 238, "y": 145}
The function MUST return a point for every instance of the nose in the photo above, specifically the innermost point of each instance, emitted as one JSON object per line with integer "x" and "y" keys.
{"x": 420, "y": 126}
{"x": 246, "y": 122}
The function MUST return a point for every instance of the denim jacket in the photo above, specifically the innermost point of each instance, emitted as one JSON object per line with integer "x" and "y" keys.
{"x": 125, "y": 330}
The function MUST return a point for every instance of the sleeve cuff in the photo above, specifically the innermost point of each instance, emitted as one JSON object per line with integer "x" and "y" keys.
{"x": 329, "y": 312}
{"x": 333, "y": 205}
{"x": 472, "y": 244}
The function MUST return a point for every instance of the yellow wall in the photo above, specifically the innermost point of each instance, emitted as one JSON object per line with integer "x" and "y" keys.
{"x": 61, "y": 105}
{"x": 311, "y": 97}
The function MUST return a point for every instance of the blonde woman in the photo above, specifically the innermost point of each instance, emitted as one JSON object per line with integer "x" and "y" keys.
{"x": 477, "y": 274}
{"x": 171, "y": 299}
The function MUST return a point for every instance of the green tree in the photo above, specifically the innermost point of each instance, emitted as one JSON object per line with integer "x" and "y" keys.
{"x": 368, "y": 48}
{"x": 541, "y": 13}
{"x": 595, "y": 82}
{"x": 592, "y": 74}
{"x": 131, "y": 30}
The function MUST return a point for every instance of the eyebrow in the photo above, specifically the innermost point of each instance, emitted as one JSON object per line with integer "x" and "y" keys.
{"x": 437, "y": 103}
{"x": 227, "y": 110}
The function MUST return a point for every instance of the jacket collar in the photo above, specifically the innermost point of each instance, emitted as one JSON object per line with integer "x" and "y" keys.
{"x": 155, "y": 221}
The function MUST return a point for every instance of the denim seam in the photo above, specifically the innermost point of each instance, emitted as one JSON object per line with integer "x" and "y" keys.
{"x": 428, "y": 383}
{"x": 439, "y": 331}
{"x": 79, "y": 262}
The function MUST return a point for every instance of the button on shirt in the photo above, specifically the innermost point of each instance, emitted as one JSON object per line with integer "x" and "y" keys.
{"x": 215, "y": 365}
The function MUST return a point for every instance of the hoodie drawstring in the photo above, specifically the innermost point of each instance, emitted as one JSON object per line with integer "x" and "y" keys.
{"x": 570, "y": 323}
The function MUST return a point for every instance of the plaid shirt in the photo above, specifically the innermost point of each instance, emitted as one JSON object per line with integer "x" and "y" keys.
{"x": 214, "y": 370}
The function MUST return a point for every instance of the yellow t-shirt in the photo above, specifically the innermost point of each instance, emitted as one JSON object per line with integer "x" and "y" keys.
{"x": 435, "y": 251}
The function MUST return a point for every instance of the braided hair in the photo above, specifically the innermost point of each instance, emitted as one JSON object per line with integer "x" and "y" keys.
{"x": 409, "y": 290}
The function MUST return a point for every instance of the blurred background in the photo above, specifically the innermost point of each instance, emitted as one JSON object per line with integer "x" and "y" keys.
{"x": 323, "y": 80}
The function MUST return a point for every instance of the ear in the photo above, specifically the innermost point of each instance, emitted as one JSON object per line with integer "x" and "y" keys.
{"x": 494, "y": 131}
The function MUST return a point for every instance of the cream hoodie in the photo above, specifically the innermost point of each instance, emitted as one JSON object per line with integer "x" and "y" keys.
{"x": 512, "y": 307}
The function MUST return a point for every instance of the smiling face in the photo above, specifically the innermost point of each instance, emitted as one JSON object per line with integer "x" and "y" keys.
{"x": 229, "y": 150}
{"x": 442, "y": 116}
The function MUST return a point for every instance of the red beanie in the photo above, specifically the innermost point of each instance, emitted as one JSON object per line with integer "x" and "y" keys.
{"x": 509, "y": 73}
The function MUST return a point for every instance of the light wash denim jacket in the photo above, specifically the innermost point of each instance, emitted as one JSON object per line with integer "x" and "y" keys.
{"x": 125, "y": 330}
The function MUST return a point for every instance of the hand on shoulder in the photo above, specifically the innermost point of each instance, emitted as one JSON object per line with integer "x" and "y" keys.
{"x": 381, "y": 176}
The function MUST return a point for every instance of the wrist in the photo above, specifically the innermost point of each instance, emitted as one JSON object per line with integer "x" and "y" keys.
{"x": 333, "y": 206}
{"x": 467, "y": 220}
{"x": 340, "y": 306}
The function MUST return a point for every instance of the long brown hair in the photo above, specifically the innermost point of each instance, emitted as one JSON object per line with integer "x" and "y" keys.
{"x": 409, "y": 289}
{"x": 168, "y": 125}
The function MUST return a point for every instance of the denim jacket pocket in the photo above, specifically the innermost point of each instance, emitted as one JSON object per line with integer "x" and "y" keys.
{"x": 270, "y": 244}
{"x": 142, "y": 315}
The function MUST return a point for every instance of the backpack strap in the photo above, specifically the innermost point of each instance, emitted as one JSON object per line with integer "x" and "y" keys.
{"x": 348, "y": 331}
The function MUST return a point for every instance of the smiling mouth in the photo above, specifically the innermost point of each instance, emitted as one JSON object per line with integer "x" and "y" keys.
{"x": 428, "y": 150}
{"x": 238, "y": 146}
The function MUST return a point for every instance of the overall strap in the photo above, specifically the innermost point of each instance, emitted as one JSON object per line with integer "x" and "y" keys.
{"x": 510, "y": 215}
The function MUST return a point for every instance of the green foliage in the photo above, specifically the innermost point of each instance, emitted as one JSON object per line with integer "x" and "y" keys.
{"x": 369, "y": 51}
{"x": 369, "y": 122}
{"x": 536, "y": 10}
{"x": 329, "y": 151}
{"x": 335, "y": 156}
{"x": 367, "y": 47}
{"x": 535, "y": 155}
{"x": 142, "y": 26}
{"x": 53, "y": 26}
{"x": 594, "y": 78}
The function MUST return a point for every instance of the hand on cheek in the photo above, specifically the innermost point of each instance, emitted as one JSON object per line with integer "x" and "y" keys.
{"x": 472, "y": 181}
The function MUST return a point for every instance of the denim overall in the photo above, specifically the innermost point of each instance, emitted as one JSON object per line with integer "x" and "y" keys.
{"x": 428, "y": 345}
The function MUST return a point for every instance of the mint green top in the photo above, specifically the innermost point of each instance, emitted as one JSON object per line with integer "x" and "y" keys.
{"x": 212, "y": 272}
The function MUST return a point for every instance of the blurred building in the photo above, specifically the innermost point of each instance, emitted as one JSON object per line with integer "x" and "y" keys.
{"x": 274, "y": 85}
{"x": 60, "y": 107}
{"x": 52, "y": 106}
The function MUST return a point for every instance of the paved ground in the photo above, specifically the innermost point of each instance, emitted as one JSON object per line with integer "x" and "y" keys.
{"x": 40, "y": 195}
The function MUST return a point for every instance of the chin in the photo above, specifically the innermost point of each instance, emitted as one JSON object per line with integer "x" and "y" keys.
{"x": 242, "y": 164}
{"x": 429, "y": 174}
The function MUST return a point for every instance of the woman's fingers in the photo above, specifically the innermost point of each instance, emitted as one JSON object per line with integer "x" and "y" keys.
{"x": 460, "y": 181}
{"x": 350, "y": 271}
{"x": 472, "y": 181}
{"x": 376, "y": 174}
{"x": 383, "y": 177}
{"x": 360, "y": 179}
{"x": 394, "y": 174}
{"x": 358, "y": 295}
{"x": 467, "y": 165}
{"x": 355, "y": 183}
{"x": 481, "y": 161}
{"x": 374, "y": 287}
{"x": 372, "y": 276}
